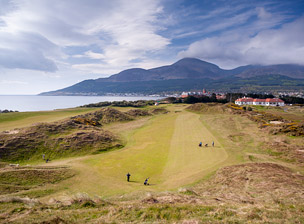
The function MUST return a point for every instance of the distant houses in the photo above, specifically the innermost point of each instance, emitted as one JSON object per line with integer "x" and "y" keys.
{"x": 261, "y": 102}
{"x": 195, "y": 94}
{"x": 203, "y": 93}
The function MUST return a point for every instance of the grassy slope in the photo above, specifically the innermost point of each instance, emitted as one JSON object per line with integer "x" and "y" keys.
{"x": 244, "y": 141}
{"x": 164, "y": 149}
{"x": 104, "y": 174}
{"x": 23, "y": 119}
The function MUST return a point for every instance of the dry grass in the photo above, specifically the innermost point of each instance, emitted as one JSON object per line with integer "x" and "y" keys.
{"x": 254, "y": 183}
{"x": 16, "y": 199}
{"x": 22, "y": 179}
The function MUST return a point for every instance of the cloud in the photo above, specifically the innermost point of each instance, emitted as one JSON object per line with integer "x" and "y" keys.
{"x": 13, "y": 82}
{"x": 236, "y": 20}
{"x": 89, "y": 54}
{"x": 105, "y": 70}
{"x": 27, "y": 51}
{"x": 132, "y": 29}
{"x": 273, "y": 46}
{"x": 121, "y": 30}
{"x": 93, "y": 55}
{"x": 26, "y": 60}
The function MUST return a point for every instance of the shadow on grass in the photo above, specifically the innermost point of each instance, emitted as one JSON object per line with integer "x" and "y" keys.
{"x": 133, "y": 181}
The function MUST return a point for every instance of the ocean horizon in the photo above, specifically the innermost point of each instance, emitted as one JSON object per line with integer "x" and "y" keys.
{"x": 25, "y": 103}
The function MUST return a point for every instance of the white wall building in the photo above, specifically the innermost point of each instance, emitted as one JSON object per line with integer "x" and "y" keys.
{"x": 261, "y": 102}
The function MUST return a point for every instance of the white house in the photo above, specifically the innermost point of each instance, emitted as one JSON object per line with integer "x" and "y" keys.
{"x": 274, "y": 102}
{"x": 244, "y": 101}
{"x": 261, "y": 102}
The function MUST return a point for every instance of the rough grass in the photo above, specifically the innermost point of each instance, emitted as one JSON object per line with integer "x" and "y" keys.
{"x": 23, "y": 119}
{"x": 75, "y": 136}
{"x": 15, "y": 180}
{"x": 207, "y": 108}
{"x": 34, "y": 177}
{"x": 151, "y": 213}
{"x": 254, "y": 183}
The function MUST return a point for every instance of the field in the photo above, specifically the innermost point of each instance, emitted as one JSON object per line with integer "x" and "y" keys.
{"x": 238, "y": 179}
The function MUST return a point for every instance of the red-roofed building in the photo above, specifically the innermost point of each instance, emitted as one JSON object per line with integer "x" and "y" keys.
{"x": 274, "y": 102}
{"x": 244, "y": 101}
{"x": 261, "y": 102}
{"x": 185, "y": 94}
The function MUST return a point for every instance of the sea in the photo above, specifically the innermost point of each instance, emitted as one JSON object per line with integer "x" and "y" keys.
{"x": 24, "y": 103}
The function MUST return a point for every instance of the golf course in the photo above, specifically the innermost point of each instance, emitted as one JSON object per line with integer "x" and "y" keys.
{"x": 89, "y": 151}
{"x": 164, "y": 149}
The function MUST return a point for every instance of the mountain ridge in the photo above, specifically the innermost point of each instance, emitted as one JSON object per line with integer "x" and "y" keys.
{"x": 191, "y": 71}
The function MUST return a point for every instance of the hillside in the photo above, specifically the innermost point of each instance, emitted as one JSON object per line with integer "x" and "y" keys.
{"x": 78, "y": 135}
{"x": 190, "y": 74}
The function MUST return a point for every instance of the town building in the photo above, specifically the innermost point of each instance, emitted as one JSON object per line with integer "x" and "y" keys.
{"x": 261, "y": 102}
{"x": 220, "y": 96}
{"x": 195, "y": 94}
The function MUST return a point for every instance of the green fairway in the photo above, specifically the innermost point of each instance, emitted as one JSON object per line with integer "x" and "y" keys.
{"x": 164, "y": 149}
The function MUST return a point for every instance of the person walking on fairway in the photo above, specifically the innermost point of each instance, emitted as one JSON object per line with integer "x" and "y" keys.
{"x": 128, "y": 176}
{"x": 146, "y": 181}
{"x": 212, "y": 143}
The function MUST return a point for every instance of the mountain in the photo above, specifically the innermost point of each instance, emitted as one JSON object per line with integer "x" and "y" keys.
{"x": 192, "y": 74}
{"x": 187, "y": 68}
{"x": 292, "y": 71}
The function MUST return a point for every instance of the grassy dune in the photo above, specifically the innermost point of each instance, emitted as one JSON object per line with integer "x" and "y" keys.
{"x": 23, "y": 119}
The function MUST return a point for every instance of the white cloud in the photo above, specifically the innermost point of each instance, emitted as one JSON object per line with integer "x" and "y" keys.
{"x": 263, "y": 14}
{"x": 273, "y": 46}
{"x": 13, "y": 82}
{"x": 105, "y": 70}
{"x": 27, "y": 51}
{"x": 93, "y": 55}
{"x": 37, "y": 30}
{"x": 236, "y": 20}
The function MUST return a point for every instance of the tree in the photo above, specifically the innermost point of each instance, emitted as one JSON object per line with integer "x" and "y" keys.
{"x": 213, "y": 97}
{"x": 191, "y": 100}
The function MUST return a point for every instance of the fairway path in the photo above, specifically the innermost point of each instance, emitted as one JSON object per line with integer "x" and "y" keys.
{"x": 186, "y": 160}
{"x": 164, "y": 149}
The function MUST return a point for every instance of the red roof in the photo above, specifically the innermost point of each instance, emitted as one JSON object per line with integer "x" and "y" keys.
{"x": 274, "y": 100}
{"x": 259, "y": 100}
{"x": 247, "y": 99}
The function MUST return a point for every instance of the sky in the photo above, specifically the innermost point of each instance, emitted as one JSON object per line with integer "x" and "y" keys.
{"x": 47, "y": 45}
